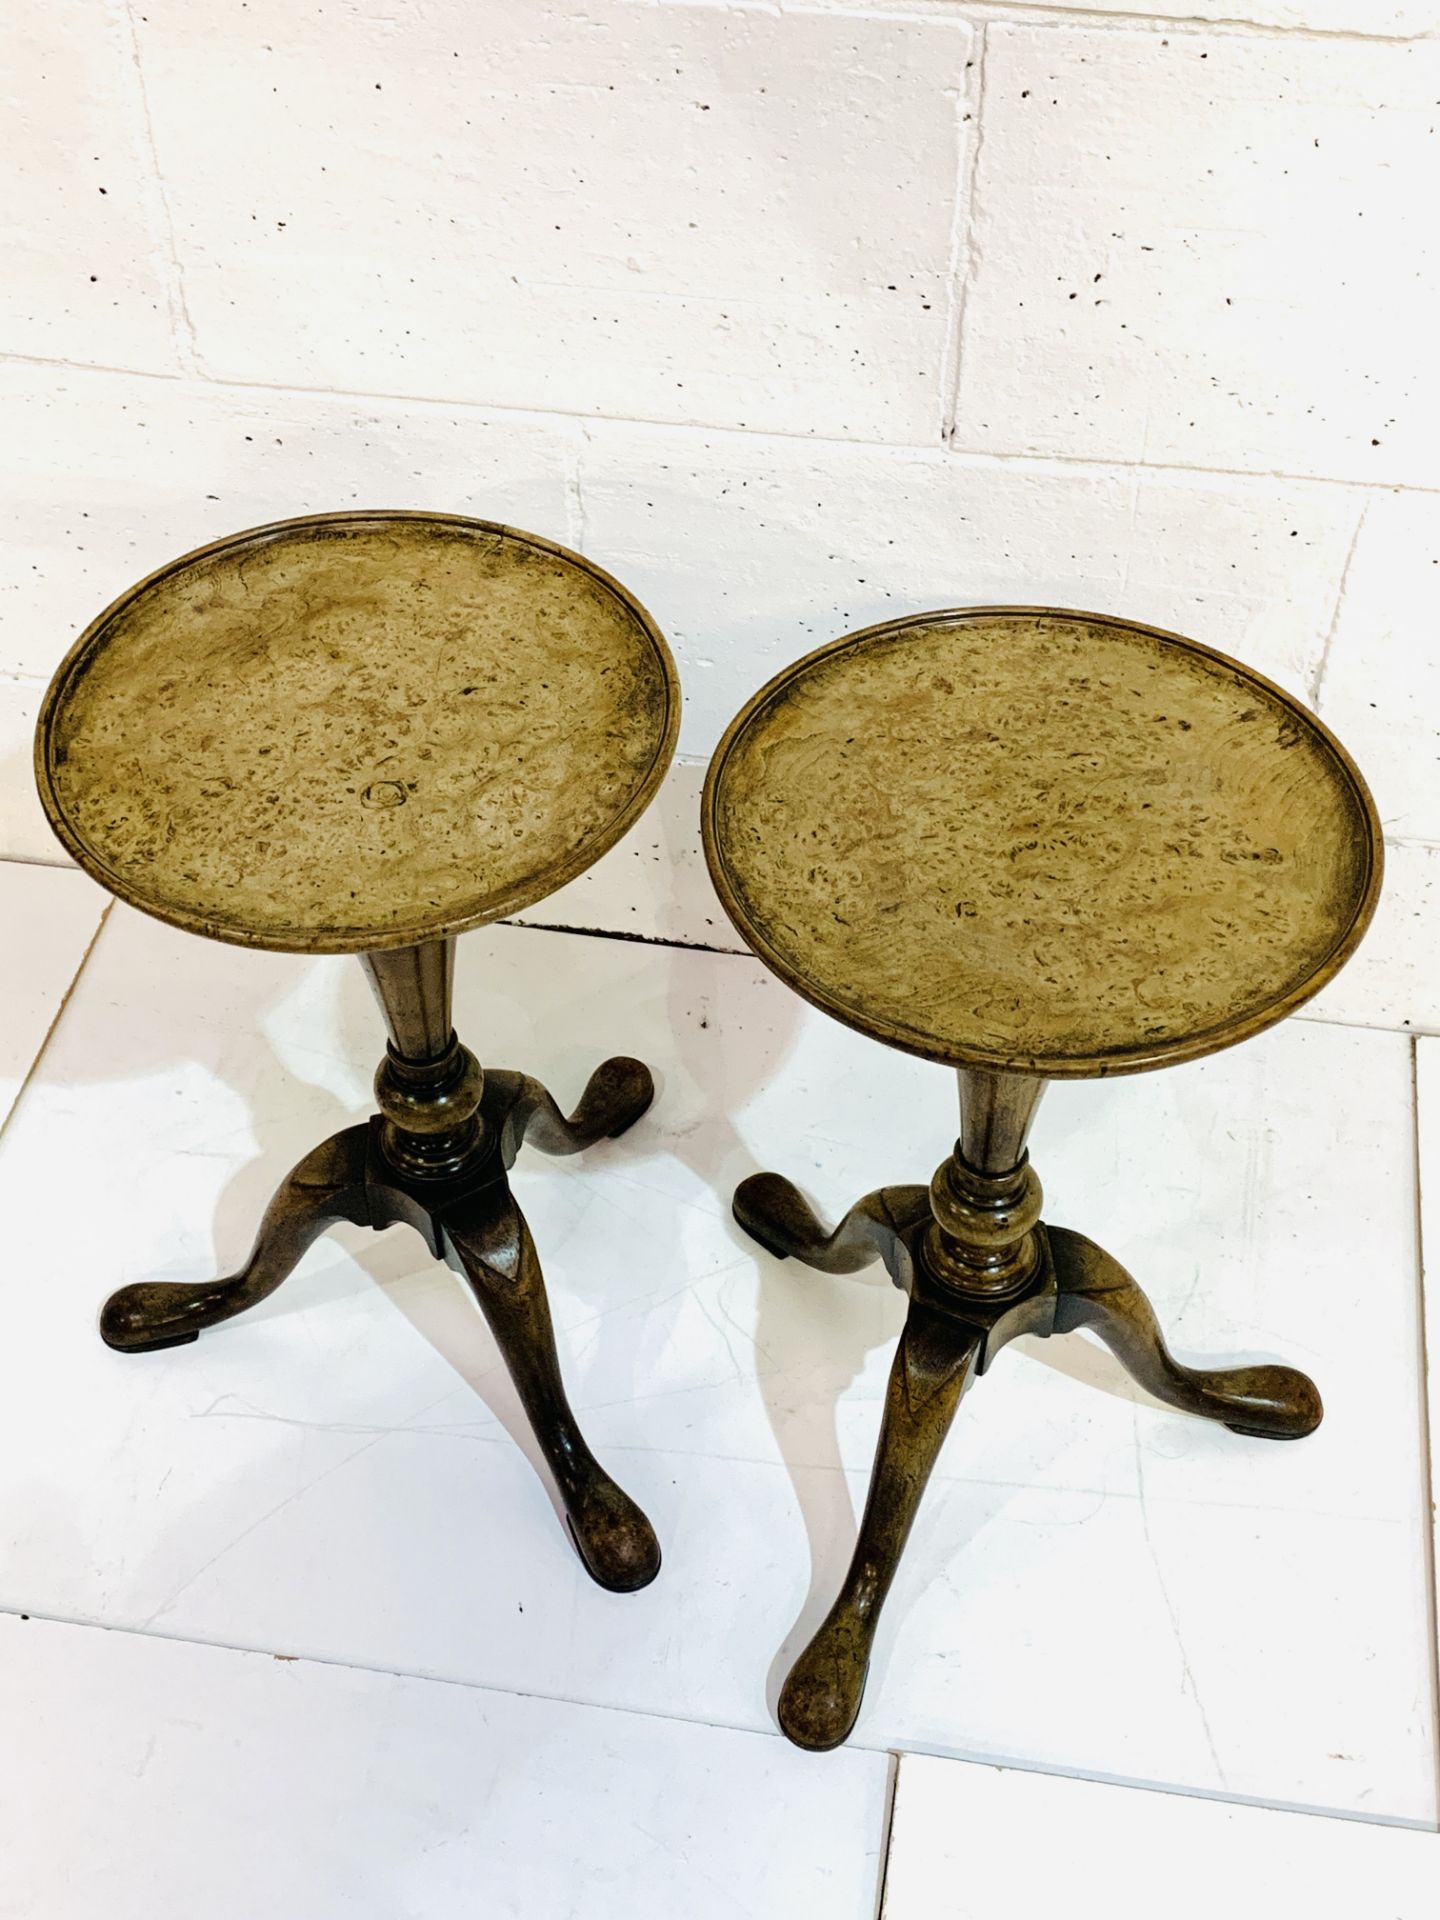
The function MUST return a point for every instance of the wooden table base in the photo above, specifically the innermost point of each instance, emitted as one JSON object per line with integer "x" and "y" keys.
{"x": 980, "y": 1270}
{"x": 436, "y": 1158}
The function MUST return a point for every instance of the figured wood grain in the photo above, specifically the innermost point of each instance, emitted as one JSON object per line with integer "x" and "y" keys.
{"x": 1040, "y": 841}
{"x": 356, "y": 731}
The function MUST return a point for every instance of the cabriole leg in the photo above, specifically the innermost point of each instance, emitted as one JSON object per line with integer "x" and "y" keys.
{"x": 1272, "y": 1402}
{"x": 487, "y": 1241}
{"x": 933, "y": 1365}
{"x": 328, "y": 1185}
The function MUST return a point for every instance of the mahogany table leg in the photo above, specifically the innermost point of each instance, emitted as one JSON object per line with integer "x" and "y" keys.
{"x": 328, "y": 1185}
{"x": 934, "y": 1364}
{"x": 1095, "y": 1291}
{"x": 487, "y": 1240}
{"x": 779, "y": 1216}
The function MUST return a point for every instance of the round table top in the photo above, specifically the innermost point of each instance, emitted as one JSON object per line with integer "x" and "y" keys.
{"x": 1030, "y": 840}
{"x": 356, "y": 731}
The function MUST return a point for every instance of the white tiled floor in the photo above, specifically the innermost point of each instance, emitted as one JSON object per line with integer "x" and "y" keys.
{"x": 976, "y": 1843}
{"x": 1393, "y": 980}
{"x": 654, "y": 883}
{"x": 196, "y": 1492}
{"x": 24, "y": 832}
{"x": 168, "y": 1779}
{"x": 1427, "y": 1111}
{"x": 48, "y": 917}
{"x": 1096, "y": 1586}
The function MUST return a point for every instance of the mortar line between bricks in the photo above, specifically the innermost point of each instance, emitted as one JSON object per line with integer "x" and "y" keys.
{"x": 1042, "y": 13}
{"x": 1322, "y": 665}
{"x": 920, "y": 451}
{"x": 964, "y": 244}
{"x": 574, "y": 501}
{"x": 182, "y": 326}
{"x": 1095, "y": 464}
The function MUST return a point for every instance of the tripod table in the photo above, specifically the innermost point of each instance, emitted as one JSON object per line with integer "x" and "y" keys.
{"x": 365, "y": 733}
{"x": 1026, "y": 844}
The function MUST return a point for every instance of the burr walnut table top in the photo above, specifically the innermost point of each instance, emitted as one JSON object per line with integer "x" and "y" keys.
{"x": 356, "y": 731}
{"x": 1047, "y": 842}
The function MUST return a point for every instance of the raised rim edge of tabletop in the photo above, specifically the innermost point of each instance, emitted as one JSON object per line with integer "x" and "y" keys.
{"x": 338, "y": 940}
{"x": 1137, "y": 1059}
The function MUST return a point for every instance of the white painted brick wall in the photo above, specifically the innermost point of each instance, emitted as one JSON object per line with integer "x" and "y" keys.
{"x": 1209, "y": 250}
{"x": 769, "y": 307}
{"x": 673, "y": 213}
{"x": 109, "y": 476}
{"x": 751, "y": 551}
{"x": 85, "y": 274}
{"x": 1381, "y": 685}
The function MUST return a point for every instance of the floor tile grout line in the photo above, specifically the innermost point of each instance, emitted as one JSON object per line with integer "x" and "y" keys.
{"x": 58, "y": 865}
{"x": 1428, "y": 1436}
{"x": 887, "y": 1832}
{"x": 142, "y": 1632}
{"x": 677, "y": 945}
{"x": 59, "y": 1015}
{"x": 1214, "y": 1797}
{"x": 1405, "y": 1027}
{"x": 1006, "y": 1763}
{"x": 743, "y": 953}
{"x": 624, "y": 933}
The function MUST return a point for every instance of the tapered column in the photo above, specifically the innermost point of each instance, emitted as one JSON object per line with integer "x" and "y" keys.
{"x": 429, "y": 1086}
{"x": 415, "y": 988}
{"x": 996, "y": 1110}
